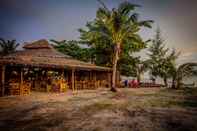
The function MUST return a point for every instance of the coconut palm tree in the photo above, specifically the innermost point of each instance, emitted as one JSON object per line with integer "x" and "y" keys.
{"x": 8, "y": 46}
{"x": 185, "y": 70}
{"x": 120, "y": 26}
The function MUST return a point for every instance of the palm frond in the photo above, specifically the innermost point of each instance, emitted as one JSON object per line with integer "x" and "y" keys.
{"x": 147, "y": 23}
{"x": 103, "y": 14}
{"x": 126, "y": 7}
{"x": 103, "y": 4}
{"x": 134, "y": 18}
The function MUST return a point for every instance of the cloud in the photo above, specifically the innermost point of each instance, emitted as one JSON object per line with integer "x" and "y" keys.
{"x": 187, "y": 50}
{"x": 188, "y": 54}
{"x": 187, "y": 57}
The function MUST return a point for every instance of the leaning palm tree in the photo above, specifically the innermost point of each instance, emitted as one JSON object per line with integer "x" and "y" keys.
{"x": 120, "y": 26}
{"x": 185, "y": 70}
{"x": 8, "y": 46}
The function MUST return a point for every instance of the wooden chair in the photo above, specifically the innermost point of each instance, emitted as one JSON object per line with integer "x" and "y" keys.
{"x": 95, "y": 84}
{"x": 49, "y": 88}
{"x": 14, "y": 89}
{"x": 85, "y": 84}
{"x": 91, "y": 84}
{"x": 63, "y": 87}
{"x": 26, "y": 88}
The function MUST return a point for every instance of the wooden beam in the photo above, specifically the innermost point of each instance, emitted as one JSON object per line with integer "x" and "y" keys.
{"x": 3, "y": 80}
{"x": 73, "y": 79}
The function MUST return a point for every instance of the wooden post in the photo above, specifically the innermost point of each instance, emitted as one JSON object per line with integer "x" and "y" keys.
{"x": 94, "y": 79}
{"x": 73, "y": 79}
{"x": 89, "y": 74}
{"x": 94, "y": 75}
{"x": 90, "y": 79}
{"x": 109, "y": 79}
{"x": 3, "y": 80}
{"x": 21, "y": 81}
{"x": 62, "y": 73}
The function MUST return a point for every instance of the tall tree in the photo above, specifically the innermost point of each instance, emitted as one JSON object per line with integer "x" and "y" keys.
{"x": 170, "y": 66}
{"x": 157, "y": 54}
{"x": 7, "y": 46}
{"x": 162, "y": 61}
{"x": 119, "y": 27}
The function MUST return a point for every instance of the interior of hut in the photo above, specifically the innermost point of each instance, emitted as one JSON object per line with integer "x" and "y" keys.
{"x": 20, "y": 80}
{"x": 23, "y": 80}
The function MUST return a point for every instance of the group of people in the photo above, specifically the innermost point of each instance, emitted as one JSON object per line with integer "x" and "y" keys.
{"x": 131, "y": 83}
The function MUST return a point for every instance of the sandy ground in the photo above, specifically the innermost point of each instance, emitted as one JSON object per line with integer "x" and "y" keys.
{"x": 145, "y": 109}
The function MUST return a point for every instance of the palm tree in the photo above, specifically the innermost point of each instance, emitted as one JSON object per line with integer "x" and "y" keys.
{"x": 119, "y": 26}
{"x": 142, "y": 67}
{"x": 8, "y": 46}
{"x": 184, "y": 70}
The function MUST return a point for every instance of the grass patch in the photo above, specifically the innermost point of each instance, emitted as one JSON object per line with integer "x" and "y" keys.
{"x": 166, "y": 98}
{"x": 184, "y": 103}
{"x": 98, "y": 106}
{"x": 181, "y": 91}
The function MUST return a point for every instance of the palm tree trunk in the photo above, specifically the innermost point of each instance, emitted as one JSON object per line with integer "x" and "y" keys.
{"x": 178, "y": 80}
{"x": 165, "y": 81}
{"x": 178, "y": 83}
{"x": 114, "y": 68}
{"x": 173, "y": 82}
{"x": 138, "y": 76}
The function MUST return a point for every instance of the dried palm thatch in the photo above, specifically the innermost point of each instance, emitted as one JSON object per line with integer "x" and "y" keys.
{"x": 41, "y": 54}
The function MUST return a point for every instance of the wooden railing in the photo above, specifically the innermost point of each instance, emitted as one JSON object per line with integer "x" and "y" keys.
{"x": 17, "y": 89}
{"x": 91, "y": 84}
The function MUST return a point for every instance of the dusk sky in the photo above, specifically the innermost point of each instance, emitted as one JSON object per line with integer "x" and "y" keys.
{"x": 30, "y": 20}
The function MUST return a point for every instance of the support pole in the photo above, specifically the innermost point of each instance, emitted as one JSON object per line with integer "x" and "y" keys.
{"x": 90, "y": 75}
{"x": 109, "y": 79}
{"x": 3, "y": 80}
{"x": 94, "y": 79}
{"x": 62, "y": 73}
{"x": 73, "y": 79}
{"x": 21, "y": 81}
{"x": 94, "y": 75}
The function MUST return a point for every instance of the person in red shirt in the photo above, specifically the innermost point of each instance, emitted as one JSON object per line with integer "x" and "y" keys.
{"x": 135, "y": 83}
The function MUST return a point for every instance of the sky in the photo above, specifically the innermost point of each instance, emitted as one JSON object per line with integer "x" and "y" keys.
{"x": 30, "y": 20}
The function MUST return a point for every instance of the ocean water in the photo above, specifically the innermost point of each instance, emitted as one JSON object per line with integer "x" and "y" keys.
{"x": 190, "y": 80}
{"x": 186, "y": 80}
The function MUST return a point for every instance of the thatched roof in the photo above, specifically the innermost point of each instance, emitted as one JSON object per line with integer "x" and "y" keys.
{"x": 40, "y": 44}
{"x": 42, "y": 54}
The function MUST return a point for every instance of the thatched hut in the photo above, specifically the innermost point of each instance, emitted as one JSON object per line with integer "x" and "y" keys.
{"x": 40, "y": 67}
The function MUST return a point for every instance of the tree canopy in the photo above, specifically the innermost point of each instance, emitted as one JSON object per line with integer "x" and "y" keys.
{"x": 119, "y": 28}
{"x": 74, "y": 49}
{"x": 161, "y": 59}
